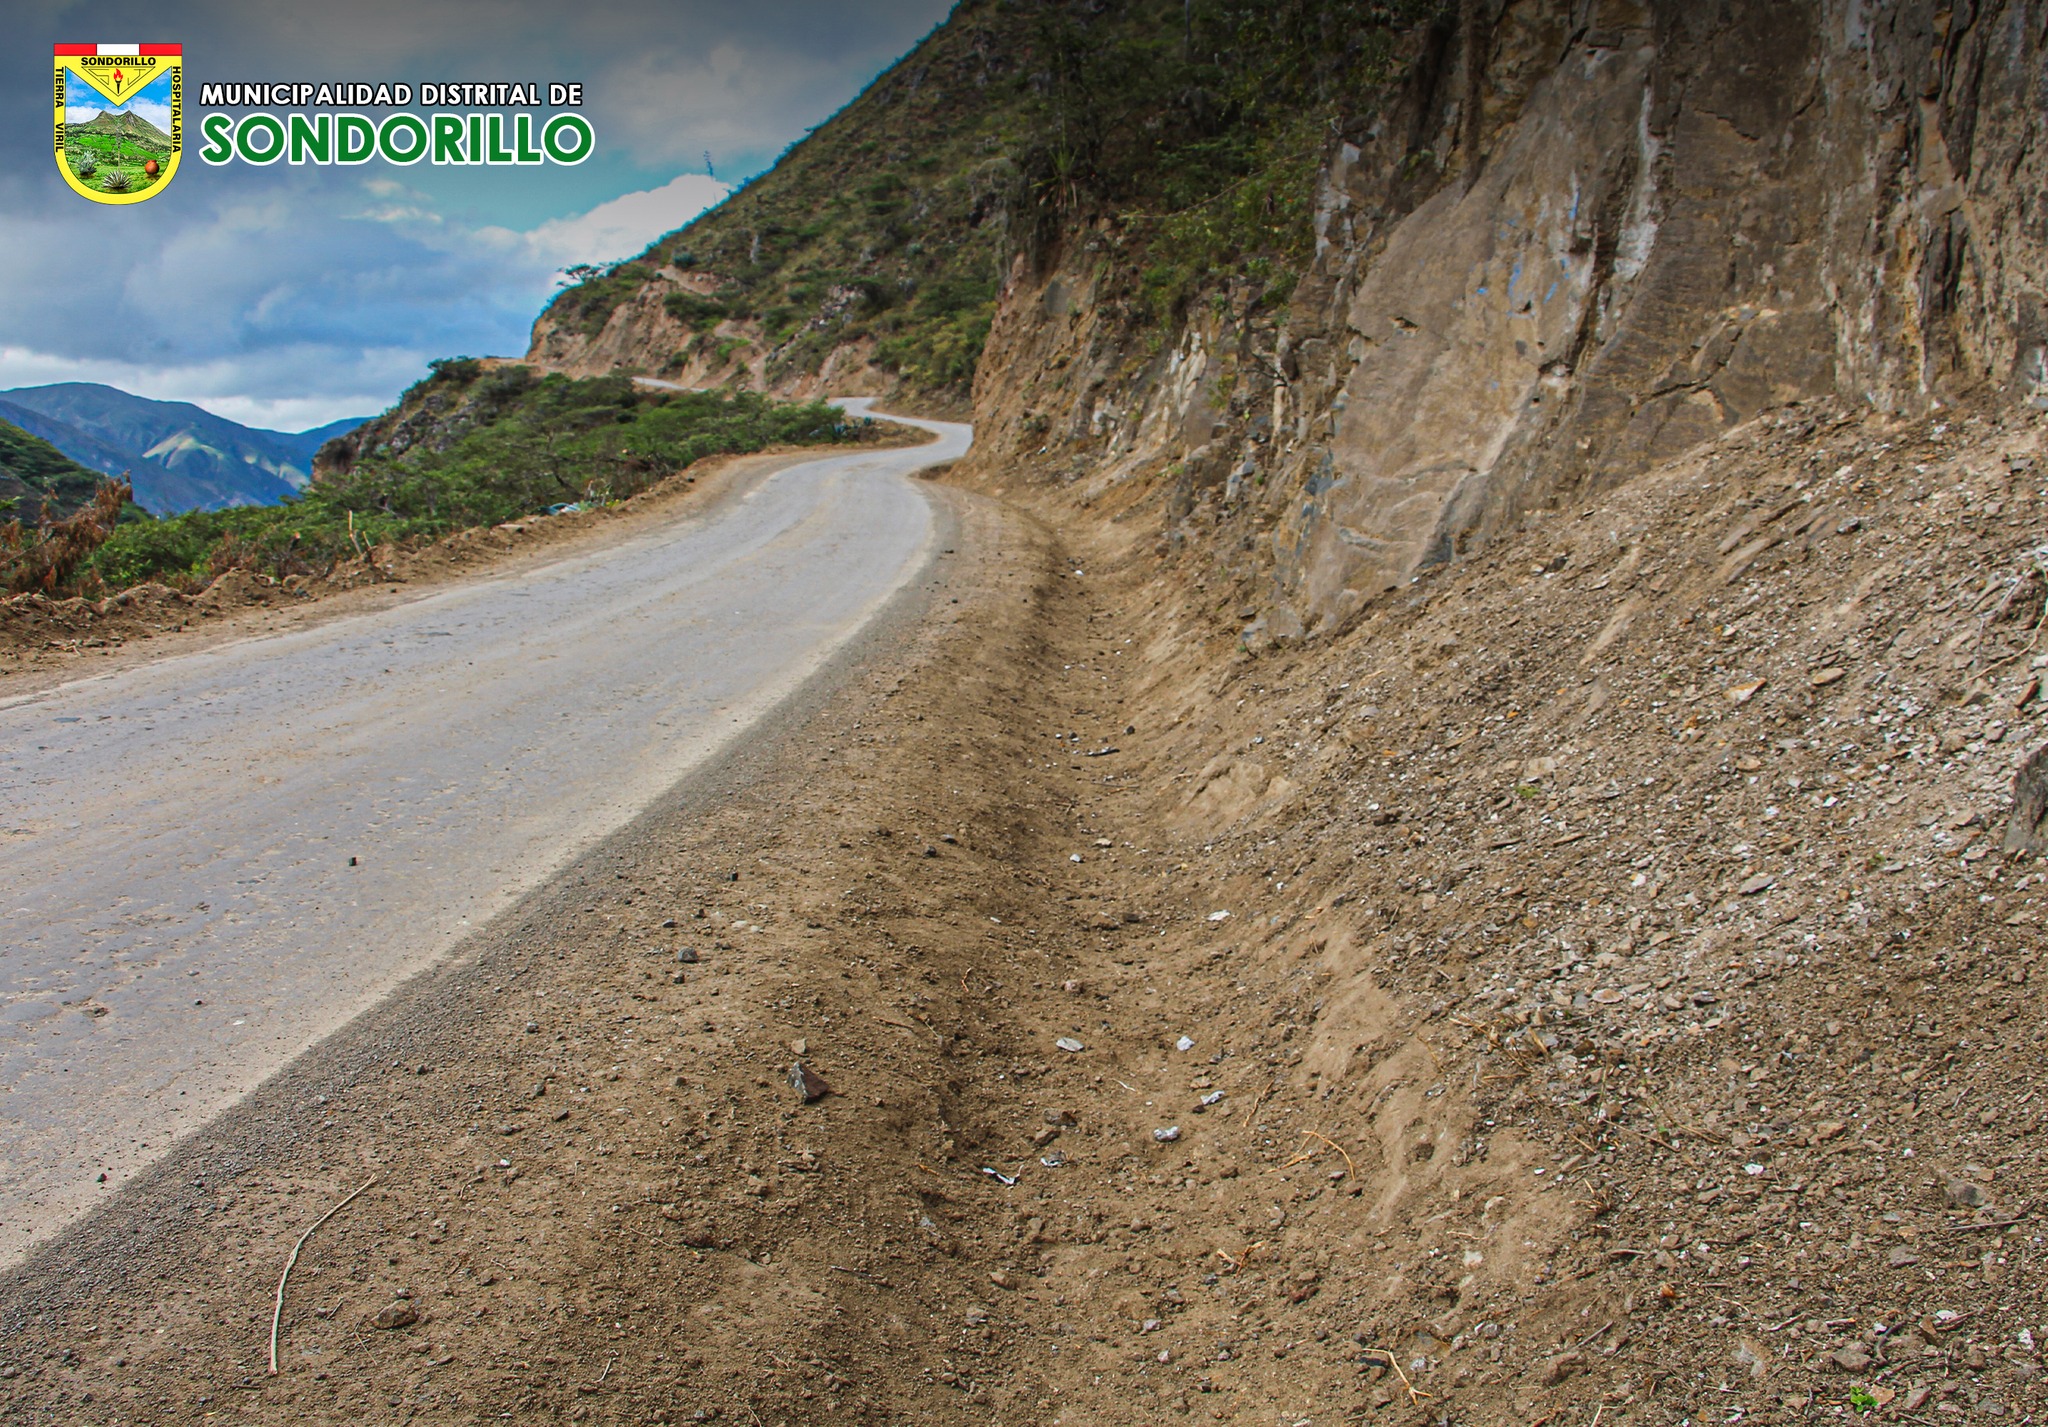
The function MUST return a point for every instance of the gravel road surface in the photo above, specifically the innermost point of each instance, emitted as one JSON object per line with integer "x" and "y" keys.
{"x": 212, "y": 861}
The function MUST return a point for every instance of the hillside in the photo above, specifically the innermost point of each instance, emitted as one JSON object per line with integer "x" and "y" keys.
{"x": 869, "y": 259}
{"x": 1566, "y": 588}
{"x": 125, "y": 125}
{"x": 1353, "y": 287}
{"x": 37, "y": 480}
{"x": 179, "y": 456}
{"x": 53, "y": 514}
{"x": 804, "y": 280}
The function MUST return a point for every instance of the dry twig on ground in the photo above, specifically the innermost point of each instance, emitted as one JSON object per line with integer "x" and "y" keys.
{"x": 1415, "y": 1394}
{"x": 277, "y": 1309}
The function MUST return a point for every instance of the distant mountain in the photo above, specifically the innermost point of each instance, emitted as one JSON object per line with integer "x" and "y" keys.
{"x": 308, "y": 442}
{"x": 127, "y": 126}
{"x": 179, "y": 456}
{"x": 37, "y": 478}
{"x": 172, "y": 470}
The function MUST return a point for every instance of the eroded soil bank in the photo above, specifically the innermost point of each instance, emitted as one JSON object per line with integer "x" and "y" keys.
{"x": 1591, "y": 984}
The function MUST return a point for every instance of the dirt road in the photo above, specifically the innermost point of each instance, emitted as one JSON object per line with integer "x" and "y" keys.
{"x": 214, "y": 860}
{"x": 1211, "y": 1033}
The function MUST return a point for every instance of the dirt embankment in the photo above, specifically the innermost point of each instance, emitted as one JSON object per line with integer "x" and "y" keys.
{"x": 1624, "y": 917}
{"x": 1590, "y": 985}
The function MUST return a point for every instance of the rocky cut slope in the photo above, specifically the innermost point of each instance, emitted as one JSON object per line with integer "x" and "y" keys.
{"x": 1588, "y": 618}
{"x": 1573, "y": 241}
{"x": 870, "y": 258}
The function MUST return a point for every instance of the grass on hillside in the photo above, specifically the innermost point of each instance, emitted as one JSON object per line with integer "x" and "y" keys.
{"x": 1193, "y": 128}
{"x": 528, "y": 443}
{"x": 34, "y": 474}
{"x": 114, "y": 146}
{"x": 53, "y": 512}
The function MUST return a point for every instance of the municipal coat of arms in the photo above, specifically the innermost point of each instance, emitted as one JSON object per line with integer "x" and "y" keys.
{"x": 120, "y": 121}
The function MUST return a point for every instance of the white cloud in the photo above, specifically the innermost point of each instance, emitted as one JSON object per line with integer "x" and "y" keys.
{"x": 627, "y": 224}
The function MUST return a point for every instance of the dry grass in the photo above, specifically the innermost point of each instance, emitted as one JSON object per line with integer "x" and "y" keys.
{"x": 45, "y": 558}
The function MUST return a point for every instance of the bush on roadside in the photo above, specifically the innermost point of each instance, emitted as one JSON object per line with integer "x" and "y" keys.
{"x": 534, "y": 443}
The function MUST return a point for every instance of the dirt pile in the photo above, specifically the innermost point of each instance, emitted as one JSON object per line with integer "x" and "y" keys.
{"x": 1626, "y": 913}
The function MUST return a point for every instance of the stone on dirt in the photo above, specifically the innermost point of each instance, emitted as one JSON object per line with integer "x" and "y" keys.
{"x": 396, "y": 1315}
{"x": 808, "y": 1083}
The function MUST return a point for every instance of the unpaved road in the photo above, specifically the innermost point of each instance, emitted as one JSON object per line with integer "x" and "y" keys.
{"x": 1292, "y": 916}
{"x": 214, "y": 860}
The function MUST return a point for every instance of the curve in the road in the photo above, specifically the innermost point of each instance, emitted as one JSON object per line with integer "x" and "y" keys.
{"x": 213, "y": 860}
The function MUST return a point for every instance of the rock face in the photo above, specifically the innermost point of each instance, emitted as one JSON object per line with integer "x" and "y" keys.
{"x": 2028, "y": 829}
{"x": 1578, "y": 239}
{"x": 640, "y": 335}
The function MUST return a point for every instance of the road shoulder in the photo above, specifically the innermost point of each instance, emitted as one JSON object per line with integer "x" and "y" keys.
{"x": 571, "y": 1128}
{"x": 45, "y": 643}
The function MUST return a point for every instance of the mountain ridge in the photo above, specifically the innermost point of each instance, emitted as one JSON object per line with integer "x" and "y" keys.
{"x": 179, "y": 456}
{"x": 126, "y": 124}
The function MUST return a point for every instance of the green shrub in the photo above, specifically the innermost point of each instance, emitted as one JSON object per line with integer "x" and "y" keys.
{"x": 455, "y": 371}
{"x": 443, "y": 373}
{"x": 697, "y": 312}
{"x": 535, "y": 442}
{"x": 502, "y": 387}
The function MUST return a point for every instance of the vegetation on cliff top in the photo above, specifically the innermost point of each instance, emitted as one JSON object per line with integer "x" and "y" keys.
{"x": 499, "y": 443}
{"x": 37, "y": 479}
{"x": 1193, "y": 128}
{"x": 53, "y": 512}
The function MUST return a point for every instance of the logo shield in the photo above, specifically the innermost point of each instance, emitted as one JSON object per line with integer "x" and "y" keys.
{"x": 120, "y": 122}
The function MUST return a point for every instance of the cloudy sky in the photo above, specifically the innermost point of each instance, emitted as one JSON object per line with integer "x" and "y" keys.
{"x": 287, "y": 297}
